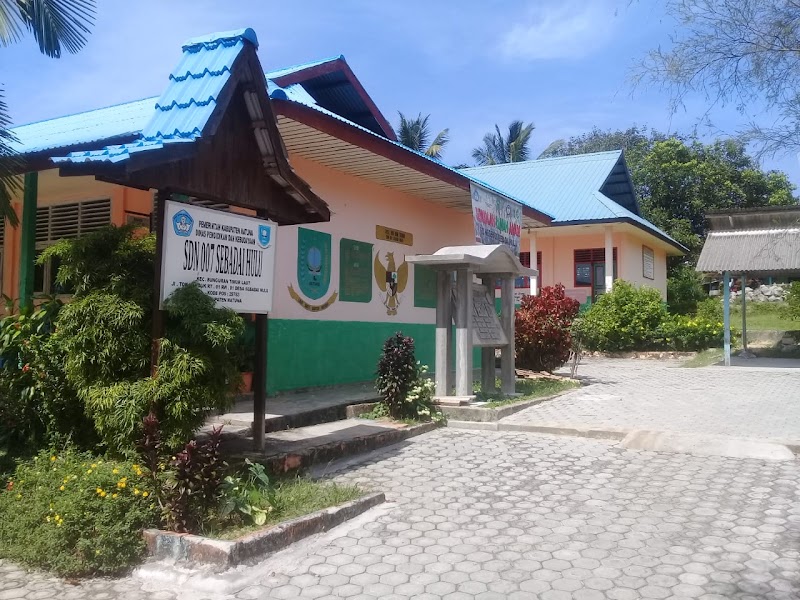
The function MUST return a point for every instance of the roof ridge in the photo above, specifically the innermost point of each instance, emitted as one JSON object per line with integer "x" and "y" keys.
{"x": 537, "y": 161}
{"x": 84, "y": 112}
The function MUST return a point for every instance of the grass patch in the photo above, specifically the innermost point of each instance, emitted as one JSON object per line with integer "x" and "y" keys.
{"x": 764, "y": 317}
{"x": 293, "y": 498}
{"x": 530, "y": 390}
{"x": 705, "y": 358}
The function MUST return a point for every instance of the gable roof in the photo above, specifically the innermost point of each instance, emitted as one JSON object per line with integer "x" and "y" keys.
{"x": 578, "y": 189}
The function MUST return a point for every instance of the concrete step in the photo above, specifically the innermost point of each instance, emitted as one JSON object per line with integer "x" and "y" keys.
{"x": 302, "y": 447}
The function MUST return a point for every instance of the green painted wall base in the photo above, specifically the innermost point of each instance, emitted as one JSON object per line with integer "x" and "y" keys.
{"x": 306, "y": 353}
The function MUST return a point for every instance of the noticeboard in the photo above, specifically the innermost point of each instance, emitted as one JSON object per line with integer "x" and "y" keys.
{"x": 355, "y": 271}
{"x": 230, "y": 256}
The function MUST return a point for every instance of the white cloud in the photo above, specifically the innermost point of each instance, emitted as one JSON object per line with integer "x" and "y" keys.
{"x": 568, "y": 29}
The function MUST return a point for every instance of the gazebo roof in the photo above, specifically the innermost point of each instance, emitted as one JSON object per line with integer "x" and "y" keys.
{"x": 480, "y": 258}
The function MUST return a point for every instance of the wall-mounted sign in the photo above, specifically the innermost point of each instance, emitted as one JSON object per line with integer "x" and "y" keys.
{"x": 497, "y": 220}
{"x": 313, "y": 269}
{"x": 230, "y": 256}
{"x": 389, "y": 234}
{"x": 355, "y": 271}
{"x": 648, "y": 263}
{"x": 424, "y": 287}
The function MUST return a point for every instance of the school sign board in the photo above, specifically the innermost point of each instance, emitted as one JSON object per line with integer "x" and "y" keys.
{"x": 230, "y": 256}
{"x": 497, "y": 219}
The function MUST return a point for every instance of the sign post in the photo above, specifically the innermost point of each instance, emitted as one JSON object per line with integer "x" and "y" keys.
{"x": 231, "y": 257}
{"x": 497, "y": 219}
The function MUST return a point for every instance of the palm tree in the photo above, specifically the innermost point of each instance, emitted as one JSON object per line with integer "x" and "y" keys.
{"x": 497, "y": 149}
{"x": 414, "y": 134}
{"x": 56, "y": 25}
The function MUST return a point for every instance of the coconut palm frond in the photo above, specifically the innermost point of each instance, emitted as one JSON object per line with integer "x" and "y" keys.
{"x": 58, "y": 24}
{"x": 10, "y": 22}
{"x": 498, "y": 149}
{"x": 10, "y": 166}
{"x": 438, "y": 144}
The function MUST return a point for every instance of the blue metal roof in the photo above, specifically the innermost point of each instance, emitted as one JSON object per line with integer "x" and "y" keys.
{"x": 567, "y": 187}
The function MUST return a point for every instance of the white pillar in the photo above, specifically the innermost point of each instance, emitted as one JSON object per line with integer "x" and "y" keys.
{"x": 507, "y": 354}
{"x": 726, "y": 315}
{"x": 609, "y": 260}
{"x": 534, "y": 280}
{"x": 463, "y": 318}
{"x": 444, "y": 323}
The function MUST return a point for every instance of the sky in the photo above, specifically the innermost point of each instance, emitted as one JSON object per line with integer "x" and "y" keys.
{"x": 564, "y": 65}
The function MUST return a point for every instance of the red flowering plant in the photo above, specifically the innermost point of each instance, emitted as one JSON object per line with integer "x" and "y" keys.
{"x": 542, "y": 330}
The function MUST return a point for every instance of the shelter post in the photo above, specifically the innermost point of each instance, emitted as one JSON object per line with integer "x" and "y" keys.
{"x": 609, "y": 268}
{"x": 507, "y": 372}
{"x": 726, "y": 315}
{"x": 487, "y": 353}
{"x": 27, "y": 265}
{"x": 464, "y": 334}
{"x": 534, "y": 279}
{"x": 260, "y": 382}
{"x": 744, "y": 315}
{"x": 444, "y": 335}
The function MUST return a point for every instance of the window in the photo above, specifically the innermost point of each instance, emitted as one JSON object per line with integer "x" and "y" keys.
{"x": 589, "y": 265}
{"x": 524, "y": 282}
{"x": 64, "y": 221}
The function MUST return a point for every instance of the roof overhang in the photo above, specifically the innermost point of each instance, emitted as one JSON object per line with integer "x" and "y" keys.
{"x": 671, "y": 247}
{"x": 496, "y": 259}
{"x": 338, "y": 144}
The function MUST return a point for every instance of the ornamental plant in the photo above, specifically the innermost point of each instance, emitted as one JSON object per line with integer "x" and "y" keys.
{"x": 542, "y": 329}
{"x": 75, "y": 513}
{"x": 397, "y": 372}
{"x": 688, "y": 333}
{"x": 793, "y": 300}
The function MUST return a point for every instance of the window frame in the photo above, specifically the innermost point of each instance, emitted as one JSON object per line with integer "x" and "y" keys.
{"x": 591, "y": 257}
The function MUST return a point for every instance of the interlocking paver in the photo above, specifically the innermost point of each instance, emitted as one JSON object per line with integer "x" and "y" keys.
{"x": 634, "y": 525}
{"x": 657, "y": 395}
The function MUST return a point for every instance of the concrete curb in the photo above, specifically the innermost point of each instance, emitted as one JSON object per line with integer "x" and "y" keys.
{"x": 482, "y": 414}
{"x": 195, "y": 549}
{"x": 291, "y": 461}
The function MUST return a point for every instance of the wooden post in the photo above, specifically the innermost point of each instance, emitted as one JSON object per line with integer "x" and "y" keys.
{"x": 744, "y": 315}
{"x": 444, "y": 326}
{"x": 158, "y": 315}
{"x": 27, "y": 267}
{"x": 260, "y": 382}
{"x": 487, "y": 354}
{"x": 464, "y": 333}
{"x": 726, "y": 315}
{"x": 508, "y": 377}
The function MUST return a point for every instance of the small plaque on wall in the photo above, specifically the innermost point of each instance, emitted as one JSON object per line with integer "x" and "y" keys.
{"x": 648, "y": 263}
{"x": 389, "y": 234}
{"x": 355, "y": 271}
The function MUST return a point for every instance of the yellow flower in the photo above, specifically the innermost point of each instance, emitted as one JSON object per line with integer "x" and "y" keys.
{"x": 103, "y": 494}
{"x": 113, "y": 495}
{"x": 89, "y": 472}
{"x": 115, "y": 471}
{"x": 94, "y": 465}
{"x": 99, "y": 490}
{"x": 136, "y": 491}
{"x": 53, "y": 458}
{"x": 145, "y": 494}
{"x": 61, "y": 488}
{"x": 66, "y": 479}
{"x": 47, "y": 519}
{"x": 121, "y": 484}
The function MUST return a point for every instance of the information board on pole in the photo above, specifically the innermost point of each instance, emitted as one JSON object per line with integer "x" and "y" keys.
{"x": 230, "y": 256}
{"x": 497, "y": 219}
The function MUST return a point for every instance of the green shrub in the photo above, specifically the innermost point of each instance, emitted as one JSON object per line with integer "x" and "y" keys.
{"x": 76, "y": 514}
{"x": 104, "y": 333}
{"x": 710, "y": 309}
{"x": 686, "y": 333}
{"x": 627, "y": 318}
{"x": 684, "y": 291}
{"x": 38, "y": 407}
{"x": 793, "y": 300}
{"x": 406, "y": 392}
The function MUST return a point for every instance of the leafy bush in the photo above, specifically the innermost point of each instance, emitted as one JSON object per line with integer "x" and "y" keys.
{"x": 397, "y": 372}
{"x": 38, "y": 408}
{"x": 75, "y": 514}
{"x": 793, "y": 300}
{"x": 684, "y": 291}
{"x": 710, "y": 309}
{"x": 627, "y": 318}
{"x": 542, "y": 331}
{"x": 686, "y": 333}
{"x": 249, "y": 497}
{"x": 104, "y": 333}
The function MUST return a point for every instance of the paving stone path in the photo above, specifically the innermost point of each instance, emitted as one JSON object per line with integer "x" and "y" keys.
{"x": 659, "y": 395}
{"x": 482, "y": 515}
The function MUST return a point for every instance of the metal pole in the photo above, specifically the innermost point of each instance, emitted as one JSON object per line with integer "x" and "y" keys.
{"x": 158, "y": 315}
{"x": 744, "y": 314}
{"x": 27, "y": 267}
{"x": 260, "y": 382}
{"x": 726, "y": 315}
